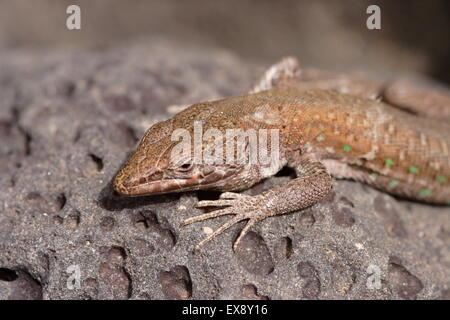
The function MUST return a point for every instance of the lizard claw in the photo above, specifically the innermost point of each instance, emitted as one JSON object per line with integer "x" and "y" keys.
{"x": 244, "y": 207}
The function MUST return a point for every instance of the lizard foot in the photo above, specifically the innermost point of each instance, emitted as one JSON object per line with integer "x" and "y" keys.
{"x": 242, "y": 206}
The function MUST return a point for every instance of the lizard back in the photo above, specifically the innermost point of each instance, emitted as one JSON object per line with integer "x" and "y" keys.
{"x": 356, "y": 138}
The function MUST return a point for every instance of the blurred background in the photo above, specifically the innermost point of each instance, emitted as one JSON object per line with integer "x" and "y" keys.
{"x": 328, "y": 34}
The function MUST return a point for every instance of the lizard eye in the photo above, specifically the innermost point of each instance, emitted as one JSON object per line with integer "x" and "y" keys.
{"x": 185, "y": 166}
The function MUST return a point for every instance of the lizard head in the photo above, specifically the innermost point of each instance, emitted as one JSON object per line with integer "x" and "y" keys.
{"x": 157, "y": 166}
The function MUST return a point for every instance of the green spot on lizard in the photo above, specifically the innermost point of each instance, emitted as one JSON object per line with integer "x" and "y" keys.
{"x": 346, "y": 148}
{"x": 389, "y": 162}
{"x": 424, "y": 193}
{"x": 414, "y": 170}
{"x": 441, "y": 179}
{"x": 392, "y": 184}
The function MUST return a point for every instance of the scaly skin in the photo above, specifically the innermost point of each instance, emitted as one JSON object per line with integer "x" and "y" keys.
{"x": 322, "y": 133}
{"x": 369, "y": 141}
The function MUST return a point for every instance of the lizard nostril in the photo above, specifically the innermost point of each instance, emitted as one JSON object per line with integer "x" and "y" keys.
{"x": 142, "y": 180}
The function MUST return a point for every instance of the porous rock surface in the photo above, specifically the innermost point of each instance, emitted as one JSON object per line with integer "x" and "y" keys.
{"x": 68, "y": 122}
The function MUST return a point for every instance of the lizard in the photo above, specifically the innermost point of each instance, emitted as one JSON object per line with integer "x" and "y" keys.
{"x": 323, "y": 133}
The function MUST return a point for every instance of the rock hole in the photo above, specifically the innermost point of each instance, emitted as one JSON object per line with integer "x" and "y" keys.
{"x": 7, "y": 275}
{"x": 58, "y": 220}
{"x": 27, "y": 142}
{"x": 67, "y": 89}
{"x": 117, "y": 253}
{"x": 98, "y": 161}
{"x": 61, "y": 200}
{"x": 254, "y": 255}
{"x": 107, "y": 223}
{"x": 404, "y": 283}
{"x": 130, "y": 283}
{"x": 346, "y": 201}
{"x": 288, "y": 242}
{"x": 176, "y": 284}
{"x": 249, "y": 291}
{"x": 306, "y": 218}
{"x": 73, "y": 220}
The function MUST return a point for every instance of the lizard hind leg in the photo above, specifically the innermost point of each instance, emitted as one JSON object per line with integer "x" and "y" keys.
{"x": 424, "y": 98}
{"x": 279, "y": 75}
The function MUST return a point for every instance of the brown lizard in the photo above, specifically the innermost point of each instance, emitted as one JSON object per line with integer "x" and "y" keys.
{"x": 322, "y": 133}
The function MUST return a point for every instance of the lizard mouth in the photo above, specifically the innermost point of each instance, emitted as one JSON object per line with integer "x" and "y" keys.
{"x": 140, "y": 187}
{"x": 157, "y": 187}
{"x": 156, "y": 181}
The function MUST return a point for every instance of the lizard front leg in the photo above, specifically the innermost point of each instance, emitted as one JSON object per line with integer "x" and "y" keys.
{"x": 312, "y": 184}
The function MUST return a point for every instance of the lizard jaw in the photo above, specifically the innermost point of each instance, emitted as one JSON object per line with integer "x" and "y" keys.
{"x": 131, "y": 184}
{"x": 134, "y": 187}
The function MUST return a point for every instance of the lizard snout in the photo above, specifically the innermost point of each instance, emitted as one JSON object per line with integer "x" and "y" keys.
{"x": 127, "y": 184}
